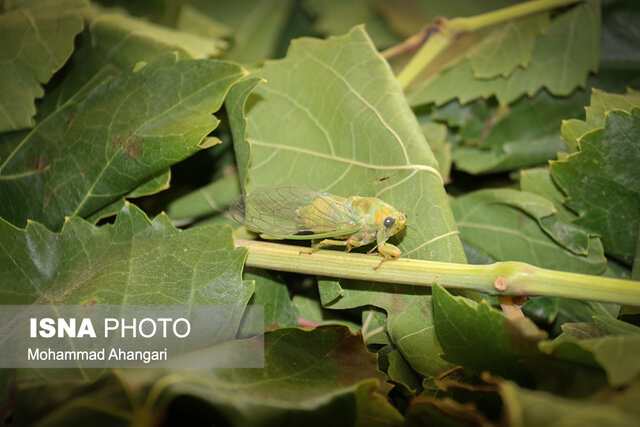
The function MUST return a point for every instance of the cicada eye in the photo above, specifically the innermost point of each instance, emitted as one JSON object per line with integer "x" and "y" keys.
{"x": 389, "y": 221}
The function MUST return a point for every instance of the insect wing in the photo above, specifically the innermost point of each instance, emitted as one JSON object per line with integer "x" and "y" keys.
{"x": 295, "y": 212}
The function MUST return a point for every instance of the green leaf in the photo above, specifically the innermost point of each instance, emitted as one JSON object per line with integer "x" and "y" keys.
{"x": 311, "y": 376}
{"x": 332, "y": 117}
{"x": 616, "y": 354}
{"x": 257, "y": 25}
{"x": 374, "y": 409}
{"x": 193, "y": 21}
{"x": 335, "y": 17}
{"x": 570, "y": 310}
{"x": 374, "y": 323}
{"x": 101, "y": 145}
{"x": 560, "y": 225}
{"x": 525, "y": 408}
{"x": 36, "y": 39}
{"x": 615, "y": 326}
{"x": 602, "y": 182}
{"x": 311, "y": 309}
{"x": 527, "y": 135}
{"x": 400, "y": 372}
{"x": 601, "y": 104}
{"x": 541, "y": 309}
{"x": 619, "y": 36}
{"x": 561, "y": 62}
{"x": 436, "y": 135}
{"x": 409, "y": 321}
{"x": 134, "y": 261}
{"x": 583, "y": 330}
{"x": 517, "y": 218}
{"x": 124, "y": 40}
{"x": 507, "y": 47}
{"x": 464, "y": 326}
{"x": 271, "y": 292}
{"x": 426, "y": 411}
{"x": 117, "y": 42}
{"x": 156, "y": 184}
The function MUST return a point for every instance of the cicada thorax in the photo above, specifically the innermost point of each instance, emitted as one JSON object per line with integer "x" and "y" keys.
{"x": 377, "y": 217}
{"x": 368, "y": 209}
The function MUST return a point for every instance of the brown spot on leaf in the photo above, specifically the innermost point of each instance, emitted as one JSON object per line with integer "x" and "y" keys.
{"x": 425, "y": 310}
{"x": 132, "y": 147}
{"x": 39, "y": 163}
{"x": 383, "y": 178}
{"x": 116, "y": 143}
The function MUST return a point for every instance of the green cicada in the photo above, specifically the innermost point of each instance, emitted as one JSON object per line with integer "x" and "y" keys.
{"x": 300, "y": 213}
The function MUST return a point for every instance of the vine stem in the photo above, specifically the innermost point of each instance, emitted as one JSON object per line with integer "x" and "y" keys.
{"x": 448, "y": 31}
{"x": 509, "y": 278}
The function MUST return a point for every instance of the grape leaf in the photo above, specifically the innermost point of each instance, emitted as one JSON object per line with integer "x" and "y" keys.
{"x": 507, "y": 47}
{"x": 311, "y": 309}
{"x": 310, "y": 376}
{"x": 256, "y": 25}
{"x": 572, "y": 237}
{"x": 134, "y": 261}
{"x": 400, "y": 372}
{"x": 561, "y": 61}
{"x": 526, "y": 408}
{"x": 124, "y": 40}
{"x": 518, "y": 218}
{"x": 436, "y": 136}
{"x": 463, "y": 326}
{"x": 271, "y": 292}
{"x": 602, "y": 181}
{"x": 620, "y": 36}
{"x": 101, "y": 145}
{"x": 616, "y": 354}
{"x": 427, "y": 411}
{"x": 335, "y": 17}
{"x": 374, "y": 323}
{"x": 116, "y": 43}
{"x": 601, "y": 103}
{"x": 332, "y": 117}
{"x": 528, "y": 134}
{"x": 36, "y": 39}
{"x": 156, "y": 184}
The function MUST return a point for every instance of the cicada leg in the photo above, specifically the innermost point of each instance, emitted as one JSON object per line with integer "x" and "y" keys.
{"x": 324, "y": 242}
{"x": 388, "y": 251}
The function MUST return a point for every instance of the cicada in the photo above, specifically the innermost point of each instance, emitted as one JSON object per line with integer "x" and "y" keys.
{"x": 301, "y": 213}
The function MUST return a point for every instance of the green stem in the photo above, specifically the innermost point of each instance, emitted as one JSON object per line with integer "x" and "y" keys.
{"x": 450, "y": 30}
{"x": 502, "y": 278}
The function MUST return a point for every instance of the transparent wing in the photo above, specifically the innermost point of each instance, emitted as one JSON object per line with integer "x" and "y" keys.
{"x": 295, "y": 213}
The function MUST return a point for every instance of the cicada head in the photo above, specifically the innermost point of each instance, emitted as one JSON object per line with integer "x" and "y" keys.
{"x": 394, "y": 222}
